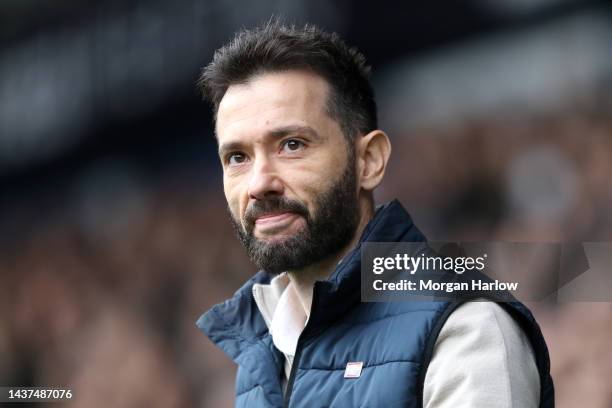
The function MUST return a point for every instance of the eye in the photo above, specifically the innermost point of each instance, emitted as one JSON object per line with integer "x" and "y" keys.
{"x": 234, "y": 159}
{"x": 292, "y": 145}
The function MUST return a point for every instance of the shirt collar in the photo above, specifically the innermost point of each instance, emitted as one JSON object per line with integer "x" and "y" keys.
{"x": 283, "y": 313}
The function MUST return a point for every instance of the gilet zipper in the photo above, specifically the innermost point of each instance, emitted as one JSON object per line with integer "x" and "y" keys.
{"x": 298, "y": 354}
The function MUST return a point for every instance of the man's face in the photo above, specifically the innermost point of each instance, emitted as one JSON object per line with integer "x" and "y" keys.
{"x": 288, "y": 174}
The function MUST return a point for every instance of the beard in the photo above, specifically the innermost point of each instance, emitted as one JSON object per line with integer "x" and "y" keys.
{"x": 328, "y": 229}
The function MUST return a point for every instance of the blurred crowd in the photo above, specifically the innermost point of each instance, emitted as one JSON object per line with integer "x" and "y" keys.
{"x": 100, "y": 291}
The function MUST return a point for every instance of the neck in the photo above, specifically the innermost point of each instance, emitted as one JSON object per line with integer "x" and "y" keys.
{"x": 303, "y": 280}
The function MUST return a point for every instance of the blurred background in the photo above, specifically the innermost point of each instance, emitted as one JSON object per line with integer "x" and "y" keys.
{"x": 114, "y": 236}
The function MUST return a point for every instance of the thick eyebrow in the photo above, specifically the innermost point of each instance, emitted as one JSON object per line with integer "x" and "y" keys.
{"x": 274, "y": 134}
{"x": 294, "y": 129}
{"x": 230, "y": 146}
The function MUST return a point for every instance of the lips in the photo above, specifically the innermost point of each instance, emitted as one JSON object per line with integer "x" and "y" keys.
{"x": 275, "y": 223}
{"x": 276, "y": 215}
{"x": 273, "y": 217}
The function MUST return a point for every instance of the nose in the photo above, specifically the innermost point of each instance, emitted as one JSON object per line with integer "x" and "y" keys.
{"x": 264, "y": 181}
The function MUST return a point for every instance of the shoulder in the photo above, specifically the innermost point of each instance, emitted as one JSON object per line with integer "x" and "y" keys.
{"x": 481, "y": 358}
{"x": 484, "y": 322}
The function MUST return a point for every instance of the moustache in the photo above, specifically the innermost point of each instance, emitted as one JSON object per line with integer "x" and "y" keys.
{"x": 272, "y": 205}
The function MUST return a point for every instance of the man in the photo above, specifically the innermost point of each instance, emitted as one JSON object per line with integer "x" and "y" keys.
{"x": 302, "y": 154}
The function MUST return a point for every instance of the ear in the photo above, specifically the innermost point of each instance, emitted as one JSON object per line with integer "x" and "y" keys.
{"x": 373, "y": 151}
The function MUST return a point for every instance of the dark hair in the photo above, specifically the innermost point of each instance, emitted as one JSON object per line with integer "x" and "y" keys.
{"x": 275, "y": 47}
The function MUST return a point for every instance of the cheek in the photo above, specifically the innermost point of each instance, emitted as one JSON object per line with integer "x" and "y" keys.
{"x": 313, "y": 175}
{"x": 232, "y": 196}
{"x": 307, "y": 185}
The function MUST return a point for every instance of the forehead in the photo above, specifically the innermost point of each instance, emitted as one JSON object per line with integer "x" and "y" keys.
{"x": 271, "y": 100}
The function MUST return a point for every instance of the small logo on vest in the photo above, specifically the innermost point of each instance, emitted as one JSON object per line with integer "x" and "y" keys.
{"x": 353, "y": 369}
